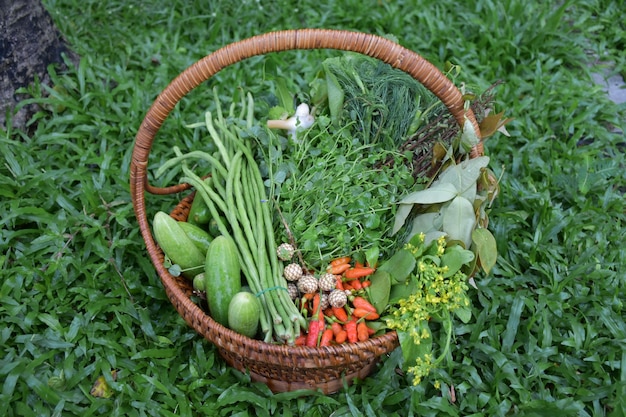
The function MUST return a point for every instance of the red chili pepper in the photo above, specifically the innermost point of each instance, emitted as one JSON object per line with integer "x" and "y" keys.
{"x": 351, "y": 331}
{"x": 341, "y": 337}
{"x": 313, "y": 334}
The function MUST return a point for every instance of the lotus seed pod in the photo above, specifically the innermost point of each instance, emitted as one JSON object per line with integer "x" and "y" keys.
{"x": 292, "y": 290}
{"x": 337, "y": 298}
{"x": 328, "y": 282}
{"x": 307, "y": 284}
{"x": 285, "y": 251}
{"x": 324, "y": 302}
{"x": 292, "y": 272}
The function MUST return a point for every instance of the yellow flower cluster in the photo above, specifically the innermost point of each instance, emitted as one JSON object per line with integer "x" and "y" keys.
{"x": 436, "y": 295}
{"x": 421, "y": 369}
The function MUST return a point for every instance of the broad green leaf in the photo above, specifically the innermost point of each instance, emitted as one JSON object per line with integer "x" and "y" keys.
{"x": 486, "y": 248}
{"x": 426, "y": 223}
{"x": 464, "y": 314}
{"x": 411, "y": 350}
{"x": 401, "y": 214}
{"x": 380, "y": 289}
{"x": 432, "y": 236}
{"x": 437, "y": 193}
{"x": 459, "y": 220}
{"x": 399, "y": 266}
{"x": 454, "y": 258}
{"x": 335, "y": 96}
{"x": 402, "y": 290}
{"x": 285, "y": 98}
{"x": 371, "y": 256}
{"x": 464, "y": 174}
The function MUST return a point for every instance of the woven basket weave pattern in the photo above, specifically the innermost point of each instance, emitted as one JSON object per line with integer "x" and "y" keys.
{"x": 281, "y": 367}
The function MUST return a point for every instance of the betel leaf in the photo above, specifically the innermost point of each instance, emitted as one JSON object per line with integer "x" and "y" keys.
{"x": 464, "y": 314}
{"x": 379, "y": 290}
{"x": 426, "y": 223}
{"x": 402, "y": 213}
{"x": 335, "y": 95}
{"x": 411, "y": 350}
{"x": 437, "y": 193}
{"x": 486, "y": 248}
{"x": 463, "y": 175}
{"x": 459, "y": 220}
{"x": 454, "y": 258}
{"x": 285, "y": 98}
{"x": 399, "y": 266}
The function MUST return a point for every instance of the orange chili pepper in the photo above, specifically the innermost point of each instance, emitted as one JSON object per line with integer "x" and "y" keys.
{"x": 338, "y": 269}
{"x": 362, "y": 333}
{"x": 341, "y": 337}
{"x": 355, "y": 272}
{"x": 340, "y": 313}
{"x": 327, "y": 337}
{"x": 365, "y": 314}
{"x": 360, "y": 302}
{"x": 341, "y": 260}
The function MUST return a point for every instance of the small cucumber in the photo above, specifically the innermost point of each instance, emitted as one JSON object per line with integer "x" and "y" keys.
{"x": 244, "y": 313}
{"x": 212, "y": 227}
{"x": 222, "y": 277}
{"x": 198, "y": 282}
{"x": 200, "y": 237}
{"x": 175, "y": 243}
{"x": 199, "y": 214}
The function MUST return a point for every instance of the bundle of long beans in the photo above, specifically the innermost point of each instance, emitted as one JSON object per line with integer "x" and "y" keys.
{"x": 235, "y": 192}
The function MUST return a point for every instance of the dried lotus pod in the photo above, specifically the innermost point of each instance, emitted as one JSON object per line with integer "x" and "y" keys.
{"x": 328, "y": 282}
{"x": 337, "y": 298}
{"x": 292, "y": 272}
{"x": 307, "y": 284}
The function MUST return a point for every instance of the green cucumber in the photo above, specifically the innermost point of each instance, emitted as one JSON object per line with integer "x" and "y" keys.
{"x": 199, "y": 236}
{"x": 222, "y": 277}
{"x": 212, "y": 227}
{"x": 198, "y": 282}
{"x": 199, "y": 214}
{"x": 244, "y": 313}
{"x": 175, "y": 243}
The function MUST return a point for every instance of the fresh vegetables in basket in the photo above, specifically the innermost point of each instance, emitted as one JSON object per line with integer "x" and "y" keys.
{"x": 368, "y": 246}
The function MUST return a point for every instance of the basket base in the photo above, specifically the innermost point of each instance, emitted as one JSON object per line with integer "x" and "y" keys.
{"x": 310, "y": 378}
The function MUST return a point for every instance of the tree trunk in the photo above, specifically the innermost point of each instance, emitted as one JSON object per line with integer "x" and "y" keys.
{"x": 29, "y": 42}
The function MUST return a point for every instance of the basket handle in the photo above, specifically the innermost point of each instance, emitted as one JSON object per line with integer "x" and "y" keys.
{"x": 374, "y": 46}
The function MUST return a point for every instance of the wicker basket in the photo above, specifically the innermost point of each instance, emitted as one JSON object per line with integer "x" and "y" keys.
{"x": 281, "y": 367}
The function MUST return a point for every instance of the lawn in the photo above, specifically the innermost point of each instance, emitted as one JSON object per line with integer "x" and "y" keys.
{"x": 80, "y": 298}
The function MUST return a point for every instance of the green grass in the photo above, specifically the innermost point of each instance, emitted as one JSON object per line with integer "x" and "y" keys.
{"x": 79, "y": 297}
